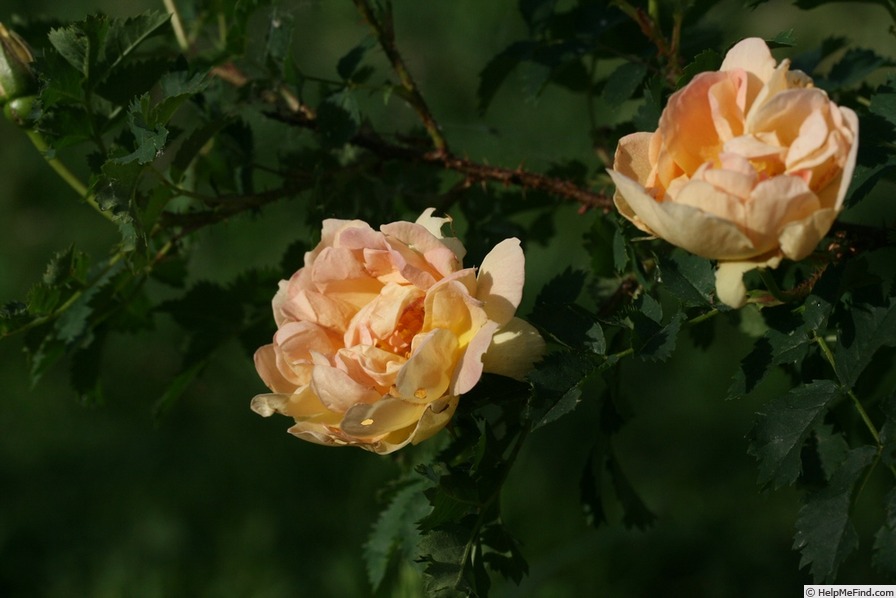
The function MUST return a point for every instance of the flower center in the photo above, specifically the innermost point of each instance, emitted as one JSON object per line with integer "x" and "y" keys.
{"x": 408, "y": 326}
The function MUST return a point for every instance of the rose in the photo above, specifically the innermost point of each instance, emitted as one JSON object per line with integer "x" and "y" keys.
{"x": 381, "y": 331}
{"x": 749, "y": 165}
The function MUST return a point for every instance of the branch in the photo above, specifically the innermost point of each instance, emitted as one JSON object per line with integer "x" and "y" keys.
{"x": 475, "y": 172}
{"x": 385, "y": 35}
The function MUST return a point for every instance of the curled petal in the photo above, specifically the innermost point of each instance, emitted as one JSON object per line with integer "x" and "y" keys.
{"x": 382, "y": 417}
{"x": 688, "y": 227}
{"x": 515, "y": 348}
{"x": 501, "y": 278}
{"x": 338, "y": 391}
{"x": 469, "y": 369}
{"x": 426, "y": 375}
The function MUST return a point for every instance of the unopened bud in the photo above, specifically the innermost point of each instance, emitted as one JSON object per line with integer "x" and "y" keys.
{"x": 16, "y": 77}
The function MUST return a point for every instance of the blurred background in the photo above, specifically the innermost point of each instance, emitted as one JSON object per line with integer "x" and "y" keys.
{"x": 212, "y": 500}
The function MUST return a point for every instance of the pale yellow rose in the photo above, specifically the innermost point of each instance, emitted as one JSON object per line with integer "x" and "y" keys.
{"x": 749, "y": 165}
{"x": 381, "y": 331}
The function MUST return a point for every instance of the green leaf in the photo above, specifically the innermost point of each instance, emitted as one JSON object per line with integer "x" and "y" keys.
{"x": 558, "y": 382}
{"x": 395, "y": 532}
{"x": 338, "y": 118}
{"x": 98, "y": 44}
{"x": 178, "y": 386}
{"x": 779, "y": 432}
{"x": 210, "y": 313}
{"x": 853, "y": 68}
{"x": 651, "y": 340}
{"x": 689, "y": 277}
{"x": 832, "y": 449}
{"x": 865, "y": 329}
{"x": 349, "y": 63}
{"x": 787, "y": 343}
{"x": 442, "y": 552}
{"x": 502, "y": 553}
{"x": 85, "y": 370}
{"x": 784, "y": 39}
{"x": 623, "y": 82}
{"x": 824, "y": 534}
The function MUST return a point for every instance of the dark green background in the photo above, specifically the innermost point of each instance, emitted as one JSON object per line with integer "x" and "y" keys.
{"x": 213, "y": 500}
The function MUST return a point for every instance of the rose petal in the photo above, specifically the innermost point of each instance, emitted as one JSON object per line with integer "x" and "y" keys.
{"x": 427, "y": 373}
{"x": 515, "y": 347}
{"x": 501, "y": 278}
{"x": 798, "y": 239}
{"x": 382, "y": 417}
{"x": 700, "y": 233}
{"x": 337, "y": 391}
{"x": 469, "y": 370}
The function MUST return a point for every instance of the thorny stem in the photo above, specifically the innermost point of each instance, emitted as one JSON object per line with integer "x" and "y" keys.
{"x": 386, "y": 37}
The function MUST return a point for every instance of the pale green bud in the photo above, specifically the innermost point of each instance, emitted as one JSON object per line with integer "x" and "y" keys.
{"x": 16, "y": 77}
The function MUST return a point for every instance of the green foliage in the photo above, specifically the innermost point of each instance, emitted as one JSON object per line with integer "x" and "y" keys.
{"x": 178, "y": 130}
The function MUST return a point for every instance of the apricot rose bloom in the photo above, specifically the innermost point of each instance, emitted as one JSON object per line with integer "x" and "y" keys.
{"x": 749, "y": 165}
{"x": 381, "y": 331}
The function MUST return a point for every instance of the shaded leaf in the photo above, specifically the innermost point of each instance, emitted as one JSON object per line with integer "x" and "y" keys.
{"x": 824, "y": 534}
{"x": 395, "y": 531}
{"x": 779, "y": 431}
{"x": 635, "y": 512}
{"x": 624, "y": 82}
{"x": 865, "y": 329}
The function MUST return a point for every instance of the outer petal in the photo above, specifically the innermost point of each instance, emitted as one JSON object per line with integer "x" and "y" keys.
{"x": 338, "y": 391}
{"x": 469, "y": 370}
{"x": 730, "y": 287}
{"x": 426, "y": 375}
{"x": 752, "y": 55}
{"x": 266, "y": 366}
{"x": 685, "y": 226}
{"x": 384, "y": 416}
{"x": 434, "y": 225}
{"x": 501, "y": 278}
{"x": 514, "y": 350}
{"x": 798, "y": 239}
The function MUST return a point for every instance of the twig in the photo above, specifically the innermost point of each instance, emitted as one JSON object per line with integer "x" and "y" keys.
{"x": 177, "y": 25}
{"x": 474, "y": 171}
{"x": 386, "y": 37}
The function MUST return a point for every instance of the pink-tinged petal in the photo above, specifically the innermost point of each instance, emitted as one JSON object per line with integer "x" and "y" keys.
{"x": 685, "y": 226}
{"x": 470, "y": 367}
{"x": 633, "y": 156}
{"x": 319, "y": 308}
{"x": 372, "y": 365}
{"x": 380, "y": 318}
{"x": 270, "y": 374}
{"x": 436, "y": 256}
{"x": 726, "y": 105}
{"x": 774, "y": 203}
{"x": 297, "y": 339}
{"x": 778, "y": 81}
{"x": 753, "y": 56}
{"x": 687, "y": 126}
{"x": 338, "y": 391}
{"x": 427, "y": 374}
{"x": 501, "y": 278}
{"x": 812, "y": 139}
{"x": 798, "y": 239}
{"x": 851, "y": 126}
{"x": 515, "y": 348}
{"x": 754, "y": 148}
{"x": 785, "y": 112}
{"x": 711, "y": 200}
{"x": 434, "y": 225}
{"x": 380, "y": 418}
{"x": 733, "y": 183}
